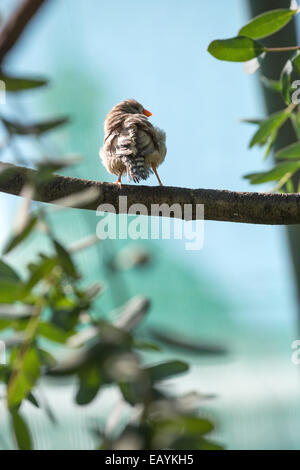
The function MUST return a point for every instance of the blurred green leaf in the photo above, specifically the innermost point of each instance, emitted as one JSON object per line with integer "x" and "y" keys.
{"x": 209, "y": 445}
{"x": 269, "y": 145}
{"x": 296, "y": 62}
{"x": 65, "y": 260}
{"x": 146, "y": 345}
{"x": 269, "y": 127}
{"x": 53, "y": 334}
{"x": 33, "y": 129}
{"x": 274, "y": 85}
{"x": 11, "y": 291}
{"x": 275, "y": 174}
{"x": 295, "y": 119}
{"x": 290, "y": 152}
{"x": 252, "y": 121}
{"x": 51, "y": 124}
{"x": 50, "y": 166}
{"x": 267, "y": 23}
{"x": 189, "y": 424}
{"x": 186, "y": 344}
{"x": 27, "y": 371}
{"x": 290, "y": 186}
{"x": 15, "y": 84}
{"x": 128, "y": 393}
{"x": 238, "y": 49}
{"x": 20, "y": 237}
{"x": 46, "y": 358}
{"x": 4, "y": 324}
{"x": 7, "y": 273}
{"x": 40, "y": 272}
{"x": 89, "y": 385}
{"x": 31, "y": 398}
{"x": 166, "y": 370}
{"x": 285, "y": 79}
{"x": 139, "y": 391}
{"x": 65, "y": 319}
{"x": 21, "y": 431}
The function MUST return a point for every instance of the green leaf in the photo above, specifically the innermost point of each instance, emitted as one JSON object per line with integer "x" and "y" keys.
{"x": 274, "y": 85}
{"x": 11, "y": 291}
{"x": 17, "y": 239}
{"x": 40, "y": 272}
{"x": 166, "y": 369}
{"x": 270, "y": 143}
{"x": 188, "y": 424}
{"x": 90, "y": 382}
{"x": 146, "y": 345}
{"x": 290, "y": 152}
{"x": 177, "y": 341}
{"x": 295, "y": 119}
{"x": 21, "y": 431}
{"x": 15, "y": 84}
{"x": 31, "y": 398}
{"x": 285, "y": 80}
{"x": 269, "y": 127}
{"x": 65, "y": 260}
{"x": 238, "y": 49}
{"x": 290, "y": 186}
{"x": 252, "y": 121}
{"x": 129, "y": 393}
{"x": 46, "y": 358}
{"x": 275, "y": 174}
{"x": 33, "y": 129}
{"x": 27, "y": 373}
{"x": 7, "y": 273}
{"x": 51, "y": 124}
{"x": 296, "y": 62}
{"x": 53, "y": 165}
{"x": 52, "y": 333}
{"x": 4, "y": 324}
{"x": 267, "y": 23}
{"x": 209, "y": 445}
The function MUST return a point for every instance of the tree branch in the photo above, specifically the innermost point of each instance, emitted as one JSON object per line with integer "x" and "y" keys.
{"x": 230, "y": 206}
{"x": 16, "y": 24}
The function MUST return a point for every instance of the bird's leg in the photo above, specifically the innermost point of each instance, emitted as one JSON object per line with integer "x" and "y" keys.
{"x": 156, "y": 174}
{"x": 119, "y": 181}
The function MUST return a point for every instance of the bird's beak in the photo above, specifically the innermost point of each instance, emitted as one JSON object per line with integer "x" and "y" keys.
{"x": 147, "y": 113}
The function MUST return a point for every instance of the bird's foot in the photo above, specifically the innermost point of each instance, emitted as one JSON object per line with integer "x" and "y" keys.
{"x": 118, "y": 182}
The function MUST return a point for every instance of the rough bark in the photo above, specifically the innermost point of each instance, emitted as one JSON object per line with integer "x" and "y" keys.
{"x": 230, "y": 206}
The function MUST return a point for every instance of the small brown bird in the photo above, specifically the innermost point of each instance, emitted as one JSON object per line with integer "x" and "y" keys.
{"x": 131, "y": 143}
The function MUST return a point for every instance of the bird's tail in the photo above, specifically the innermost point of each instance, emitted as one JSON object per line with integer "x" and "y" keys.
{"x": 136, "y": 168}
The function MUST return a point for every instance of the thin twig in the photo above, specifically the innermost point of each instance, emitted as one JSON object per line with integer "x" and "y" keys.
{"x": 282, "y": 49}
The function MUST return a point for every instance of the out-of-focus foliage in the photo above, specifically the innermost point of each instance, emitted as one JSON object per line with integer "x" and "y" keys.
{"x": 50, "y": 304}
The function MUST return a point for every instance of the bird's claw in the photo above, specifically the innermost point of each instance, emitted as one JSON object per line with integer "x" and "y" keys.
{"x": 119, "y": 183}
